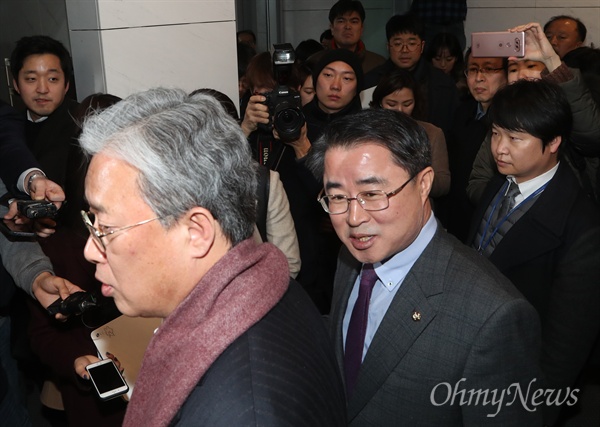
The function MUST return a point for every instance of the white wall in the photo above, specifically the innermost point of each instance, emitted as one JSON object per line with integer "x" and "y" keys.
{"x": 126, "y": 46}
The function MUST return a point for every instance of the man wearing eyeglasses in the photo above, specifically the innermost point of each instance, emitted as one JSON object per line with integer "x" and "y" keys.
{"x": 172, "y": 193}
{"x": 485, "y": 76}
{"x": 416, "y": 315}
{"x": 405, "y": 42}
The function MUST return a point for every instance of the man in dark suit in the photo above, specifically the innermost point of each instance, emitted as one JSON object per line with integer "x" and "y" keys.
{"x": 546, "y": 241}
{"x": 442, "y": 323}
{"x": 18, "y": 168}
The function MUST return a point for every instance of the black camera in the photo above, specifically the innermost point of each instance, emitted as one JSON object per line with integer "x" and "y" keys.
{"x": 36, "y": 209}
{"x": 285, "y": 105}
{"x": 74, "y": 305}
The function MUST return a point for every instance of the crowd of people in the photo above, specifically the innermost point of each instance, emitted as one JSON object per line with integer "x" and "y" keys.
{"x": 419, "y": 250}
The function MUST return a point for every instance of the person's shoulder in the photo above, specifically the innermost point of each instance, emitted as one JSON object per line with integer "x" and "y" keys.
{"x": 472, "y": 275}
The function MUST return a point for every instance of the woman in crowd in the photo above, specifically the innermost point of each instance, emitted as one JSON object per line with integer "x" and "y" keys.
{"x": 398, "y": 91}
{"x": 444, "y": 52}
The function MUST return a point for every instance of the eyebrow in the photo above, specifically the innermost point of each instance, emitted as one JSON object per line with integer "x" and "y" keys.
{"x": 364, "y": 181}
{"x": 327, "y": 67}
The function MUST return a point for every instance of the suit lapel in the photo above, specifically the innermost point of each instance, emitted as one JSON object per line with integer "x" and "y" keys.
{"x": 399, "y": 330}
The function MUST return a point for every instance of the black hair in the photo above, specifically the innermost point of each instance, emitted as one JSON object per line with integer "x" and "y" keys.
{"x": 223, "y": 99}
{"x": 406, "y": 140}
{"x": 447, "y": 41}
{"x": 536, "y": 107}
{"x": 250, "y": 32}
{"x": 326, "y": 35}
{"x": 581, "y": 28}
{"x": 344, "y": 6}
{"x": 404, "y": 24}
{"x": 396, "y": 80}
{"x": 40, "y": 45}
{"x": 306, "y": 48}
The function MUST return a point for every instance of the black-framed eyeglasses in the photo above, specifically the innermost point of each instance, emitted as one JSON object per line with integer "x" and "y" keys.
{"x": 411, "y": 45}
{"x": 373, "y": 200}
{"x": 97, "y": 235}
{"x": 473, "y": 71}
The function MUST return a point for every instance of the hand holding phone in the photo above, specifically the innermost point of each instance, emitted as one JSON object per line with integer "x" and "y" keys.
{"x": 501, "y": 44}
{"x": 107, "y": 380}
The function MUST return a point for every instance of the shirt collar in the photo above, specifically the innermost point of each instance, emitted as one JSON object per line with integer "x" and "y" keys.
{"x": 480, "y": 113}
{"x": 527, "y": 188}
{"x": 40, "y": 120}
{"x": 393, "y": 271}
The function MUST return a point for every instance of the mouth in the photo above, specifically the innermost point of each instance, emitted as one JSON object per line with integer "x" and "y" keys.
{"x": 107, "y": 290}
{"x": 363, "y": 241}
{"x": 334, "y": 97}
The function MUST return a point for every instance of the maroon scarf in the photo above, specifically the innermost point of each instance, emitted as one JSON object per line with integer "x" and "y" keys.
{"x": 239, "y": 290}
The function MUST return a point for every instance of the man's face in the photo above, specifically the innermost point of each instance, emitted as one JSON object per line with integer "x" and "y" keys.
{"x": 405, "y": 50}
{"x": 373, "y": 236}
{"x": 42, "y": 85}
{"x": 563, "y": 36}
{"x": 520, "y": 154}
{"x": 402, "y": 100}
{"x": 142, "y": 266}
{"x": 484, "y": 85}
{"x": 347, "y": 30}
{"x": 336, "y": 86}
{"x": 531, "y": 70}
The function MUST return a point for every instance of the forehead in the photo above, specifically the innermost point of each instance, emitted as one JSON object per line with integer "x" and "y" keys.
{"x": 46, "y": 60}
{"x": 350, "y": 15}
{"x": 485, "y": 62}
{"x": 405, "y": 36}
{"x": 567, "y": 25}
{"x": 364, "y": 158}
{"x": 339, "y": 67}
{"x": 111, "y": 183}
{"x": 536, "y": 65}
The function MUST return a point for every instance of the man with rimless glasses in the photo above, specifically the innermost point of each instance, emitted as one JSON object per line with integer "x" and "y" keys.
{"x": 416, "y": 316}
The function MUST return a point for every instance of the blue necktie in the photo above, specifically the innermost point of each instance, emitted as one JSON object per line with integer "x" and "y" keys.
{"x": 355, "y": 337}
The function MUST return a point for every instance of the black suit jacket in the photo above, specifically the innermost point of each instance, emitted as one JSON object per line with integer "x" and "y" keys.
{"x": 15, "y": 158}
{"x": 474, "y": 325}
{"x": 552, "y": 256}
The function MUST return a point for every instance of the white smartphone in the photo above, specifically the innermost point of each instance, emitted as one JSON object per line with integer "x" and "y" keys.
{"x": 501, "y": 44}
{"x": 107, "y": 380}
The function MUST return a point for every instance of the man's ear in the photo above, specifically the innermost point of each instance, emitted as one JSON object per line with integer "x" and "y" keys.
{"x": 425, "y": 182}
{"x": 16, "y": 86}
{"x": 554, "y": 144}
{"x": 202, "y": 229}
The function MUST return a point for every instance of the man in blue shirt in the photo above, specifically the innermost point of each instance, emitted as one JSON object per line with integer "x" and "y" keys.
{"x": 434, "y": 322}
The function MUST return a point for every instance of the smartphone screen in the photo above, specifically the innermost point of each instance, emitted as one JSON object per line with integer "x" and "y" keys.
{"x": 107, "y": 379}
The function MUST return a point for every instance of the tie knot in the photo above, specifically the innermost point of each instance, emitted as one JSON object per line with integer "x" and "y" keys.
{"x": 368, "y": 277}
{"x": 512, "y": 191}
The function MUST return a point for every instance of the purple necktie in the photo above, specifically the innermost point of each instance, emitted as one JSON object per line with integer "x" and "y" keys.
{"x": 355, "y": 337}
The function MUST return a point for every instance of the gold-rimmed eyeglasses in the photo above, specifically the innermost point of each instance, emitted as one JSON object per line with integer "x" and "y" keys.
{"x": 373, "y": 200}
{"x": 97, "y": 235}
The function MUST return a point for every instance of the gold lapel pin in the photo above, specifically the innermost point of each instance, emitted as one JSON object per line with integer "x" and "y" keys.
{"x": 416, "y": 316}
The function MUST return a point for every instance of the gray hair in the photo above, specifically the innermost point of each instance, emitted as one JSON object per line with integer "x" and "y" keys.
{"x": 188, "y": 152}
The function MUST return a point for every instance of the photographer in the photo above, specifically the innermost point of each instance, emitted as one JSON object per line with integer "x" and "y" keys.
{"x": 338, "y": 78}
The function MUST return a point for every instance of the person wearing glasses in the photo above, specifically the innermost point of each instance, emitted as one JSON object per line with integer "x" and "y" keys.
{"x": 405, "y": 43}
{"x": 416, "y": 315}
{"x": 485, "y": 76}
{"x": 172, "y": 194}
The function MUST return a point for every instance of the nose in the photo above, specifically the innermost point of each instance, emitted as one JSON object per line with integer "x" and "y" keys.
{"x": 336, "y": 83}
{"x": 92, "y": 252}
{"x": 480, "y": 76}
{"x": 356, "y": 214}
{"x": 42, "y": 86}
